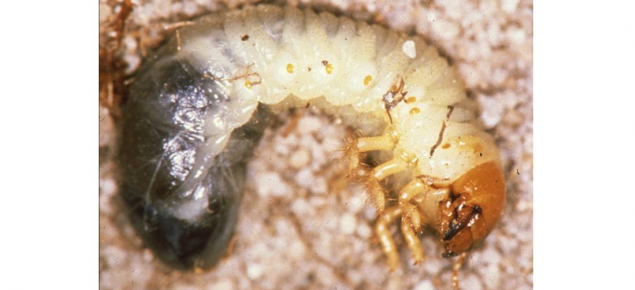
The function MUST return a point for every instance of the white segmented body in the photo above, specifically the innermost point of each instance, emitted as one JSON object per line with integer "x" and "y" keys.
{"x": 405, "y": 99}
{"x": 285, "y": 51}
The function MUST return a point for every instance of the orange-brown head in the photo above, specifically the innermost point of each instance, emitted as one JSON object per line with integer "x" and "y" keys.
{"x": 472, "y": 209}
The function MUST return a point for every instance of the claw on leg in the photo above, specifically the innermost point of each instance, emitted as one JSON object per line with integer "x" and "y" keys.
{"x": 383, "y": 233}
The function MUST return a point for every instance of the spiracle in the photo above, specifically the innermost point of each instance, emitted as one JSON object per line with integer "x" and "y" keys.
{"x": 199, "y": 104}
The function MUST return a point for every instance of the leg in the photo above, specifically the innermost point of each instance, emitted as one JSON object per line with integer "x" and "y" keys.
{"x": 380, "y": 172}
{"x": 412, "y": 240}
{"x": 384, "y": 142}
{"x": 364, "y": 144}
{"x": 455, "y": 270}
{"x": 386, "y": 241}
{"x": 411, "y": 216}
{"x": 412, "y": 189}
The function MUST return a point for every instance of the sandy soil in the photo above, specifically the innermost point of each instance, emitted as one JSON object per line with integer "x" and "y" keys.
{"x": 302, "y": 225}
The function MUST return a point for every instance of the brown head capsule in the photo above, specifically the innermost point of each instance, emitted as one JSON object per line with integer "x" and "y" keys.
{"x": 472, "y": 209}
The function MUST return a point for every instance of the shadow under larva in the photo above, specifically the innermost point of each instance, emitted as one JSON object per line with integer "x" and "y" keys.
{"x": 200, "y": 103}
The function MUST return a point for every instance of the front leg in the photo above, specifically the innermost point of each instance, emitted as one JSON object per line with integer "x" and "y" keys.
{"x": 385, "y": 239}
{"x": 455, "y": 270}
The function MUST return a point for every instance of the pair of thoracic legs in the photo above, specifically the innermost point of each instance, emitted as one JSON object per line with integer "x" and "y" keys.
{"x": 411, "y": 223}
{"x": 411, "y": 218}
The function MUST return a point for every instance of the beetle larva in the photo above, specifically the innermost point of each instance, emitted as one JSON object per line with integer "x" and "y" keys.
{"x": 199, "y": 105}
